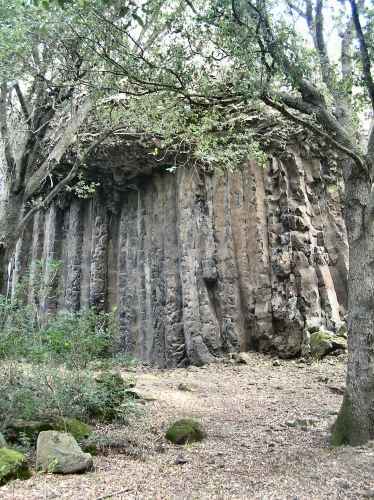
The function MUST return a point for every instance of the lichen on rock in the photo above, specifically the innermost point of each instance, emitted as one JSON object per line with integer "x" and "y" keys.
{"x": 58, "y": 452}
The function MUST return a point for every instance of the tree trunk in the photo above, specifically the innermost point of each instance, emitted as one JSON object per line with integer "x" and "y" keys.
{"x": 355, "y": 422}
{"x": 11, "y": 211}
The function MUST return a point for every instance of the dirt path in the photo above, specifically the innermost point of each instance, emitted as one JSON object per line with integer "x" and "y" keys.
{"x": 252, "y": 449}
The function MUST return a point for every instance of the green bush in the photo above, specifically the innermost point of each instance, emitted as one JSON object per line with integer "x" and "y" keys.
{"x": 48, "y": 363}
{"x": 40, "y": 395}
{"x": 74, "y": 339}
{"x": 13, "y": 465}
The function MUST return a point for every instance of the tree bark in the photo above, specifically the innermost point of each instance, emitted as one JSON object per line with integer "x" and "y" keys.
{"x": 355, "y": 422}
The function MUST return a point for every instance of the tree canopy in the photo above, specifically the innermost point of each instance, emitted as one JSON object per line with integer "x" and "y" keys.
{"x": 191, "y": 72}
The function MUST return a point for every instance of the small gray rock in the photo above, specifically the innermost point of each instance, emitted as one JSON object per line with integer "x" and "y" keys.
{"x": 184, "y": 387}
{"x": 303, "y": 423}
{"x": 243, "y": 358}
{"x": 58, "y": 452}
{"x": 180, "y": 460}
{"x": 291, "y": 423}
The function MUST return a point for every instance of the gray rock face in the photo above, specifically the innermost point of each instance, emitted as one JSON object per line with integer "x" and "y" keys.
{"x": 201, "y": 265}
{"x": 58, "y": 452}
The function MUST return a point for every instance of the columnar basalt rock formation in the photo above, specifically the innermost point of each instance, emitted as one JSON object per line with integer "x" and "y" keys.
{"x": 197, "y": 265}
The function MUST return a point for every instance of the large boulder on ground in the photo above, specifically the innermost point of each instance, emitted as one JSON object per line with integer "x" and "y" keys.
{"x": 13, "y": 465}
{"x": 185, "y": 431}
{"x": 58, "y": 452}
{"x": 323, "y": 342}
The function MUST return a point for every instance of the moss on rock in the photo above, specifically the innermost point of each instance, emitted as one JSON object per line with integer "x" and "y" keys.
{"x": 185, "y": 431}
{"x": 13, "y": 465}
{"x": 323, "y": 342}
{"x": 18, "y": 429}
{"x": 320, "y": 343}
{"x": 78, "y": 429}
{"x": 343, "y": 426}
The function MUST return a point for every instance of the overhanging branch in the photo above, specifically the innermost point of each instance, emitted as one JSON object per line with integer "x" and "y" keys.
{"x": 308, "y": 125}
{"x": 73, "y": 172}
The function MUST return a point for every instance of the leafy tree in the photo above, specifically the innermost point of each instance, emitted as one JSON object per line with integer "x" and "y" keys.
{"x": 195, "y": 75}
{"x": 43, "y": 106}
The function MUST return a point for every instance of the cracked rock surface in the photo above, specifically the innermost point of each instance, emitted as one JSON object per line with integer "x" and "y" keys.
{"x": 199, "y": 265}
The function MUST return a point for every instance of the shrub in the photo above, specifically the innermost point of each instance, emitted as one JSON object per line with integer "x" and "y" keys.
{"x": 74, "y": 339}
{"x": 46, "y": 373}
{"x": 44, "y": 394}
{"x": 13, "y": 465}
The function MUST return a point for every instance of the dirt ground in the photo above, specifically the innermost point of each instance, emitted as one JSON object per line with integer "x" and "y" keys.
{"x": 255, "y": 446}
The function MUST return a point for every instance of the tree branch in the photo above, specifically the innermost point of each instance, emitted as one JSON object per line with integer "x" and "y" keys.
{"x": 73, "y": 172}
{"x": 364, "y": 53}
{"x": 66, "y": 139}
{"x": 321, "y": 45}
{"x": 327, "y": 137}
{"x": 8, "y": 153}
{"x": 24, "y": 107}
{"x": 296, "y": 8}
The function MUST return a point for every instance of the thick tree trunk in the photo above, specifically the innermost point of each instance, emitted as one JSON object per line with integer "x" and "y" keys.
{"x": 355, "y": 422}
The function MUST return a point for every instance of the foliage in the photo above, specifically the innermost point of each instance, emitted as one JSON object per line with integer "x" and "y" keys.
{"x": 45, "y": 393}
{"x": 49, "y": 365}
{"x": 13, "y": 465}
{"x": 72, "y": 339}
{"x": 78, "y": 429}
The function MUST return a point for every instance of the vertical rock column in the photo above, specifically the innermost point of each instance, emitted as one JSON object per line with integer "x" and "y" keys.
{"x": 289, "y": 246}
{"x": 99, "y": 257}
{"x": 128, "y": 306}
{"x": 22, "y": 259}
{"x": 255, "y": 275}
{"x": 227, "y": 293}
{"x": 53, "y": 235}
{"x": 198, "y": 332}
{"x": 74, "y": 243}
{"x": 175, "y": 349}
{"x": 36, "y": 276}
